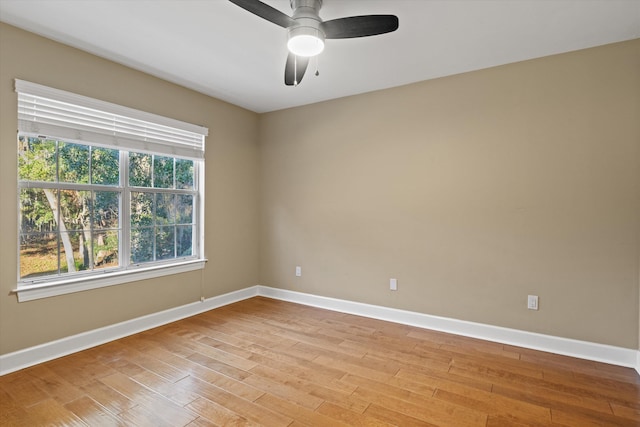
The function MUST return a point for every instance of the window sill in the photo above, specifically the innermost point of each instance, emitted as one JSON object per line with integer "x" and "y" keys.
{"x": 33, "y": 292}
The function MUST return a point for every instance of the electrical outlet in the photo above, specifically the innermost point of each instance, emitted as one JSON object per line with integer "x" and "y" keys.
{"x": 532, "y": 302}
{"x": 298, "y": 271}
{"x": 393, "y": 284}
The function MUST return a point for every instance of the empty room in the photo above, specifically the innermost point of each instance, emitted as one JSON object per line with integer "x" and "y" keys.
{"x": 320, "y": 212}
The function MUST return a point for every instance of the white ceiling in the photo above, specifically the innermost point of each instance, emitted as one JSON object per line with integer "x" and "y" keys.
{"x": 219, "y": 49}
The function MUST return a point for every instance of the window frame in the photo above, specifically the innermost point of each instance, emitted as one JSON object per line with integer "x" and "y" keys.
{"x": 127, "y": 271}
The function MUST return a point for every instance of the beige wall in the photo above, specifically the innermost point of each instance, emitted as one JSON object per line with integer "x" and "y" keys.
{"x": 231, "y": 188}
{"x": 473, "y": 191}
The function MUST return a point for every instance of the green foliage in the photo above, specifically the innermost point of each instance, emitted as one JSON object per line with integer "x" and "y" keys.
{"x": 73, "y": 163}
{"x": 36, "y": 213}
{"x": 140, "y": 169}
{"x": 36, "y": 159}
{"x": 163, "y": 172}
{"x": 48, "y": 160}
{"x": 79, "y": 227}
{"x": 184, "y": 174}
{"x": 105, "y": 166}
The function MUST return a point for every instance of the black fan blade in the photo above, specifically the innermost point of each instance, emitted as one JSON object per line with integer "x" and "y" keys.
{"x": 294, "y": 69}
{"x": 265, "y": 11}
{"x": 359, "y": 26}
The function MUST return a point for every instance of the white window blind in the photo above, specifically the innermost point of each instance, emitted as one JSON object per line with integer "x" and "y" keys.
{"x": 55, "y": 113}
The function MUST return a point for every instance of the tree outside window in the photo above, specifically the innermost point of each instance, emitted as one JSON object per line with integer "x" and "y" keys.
{"x": 71, "y": 208}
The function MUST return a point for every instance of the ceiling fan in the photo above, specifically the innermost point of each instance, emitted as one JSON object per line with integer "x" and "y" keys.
{"x": 307, "y": 31}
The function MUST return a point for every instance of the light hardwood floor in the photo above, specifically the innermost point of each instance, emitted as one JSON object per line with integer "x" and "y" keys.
{"x": 273, "y": 363}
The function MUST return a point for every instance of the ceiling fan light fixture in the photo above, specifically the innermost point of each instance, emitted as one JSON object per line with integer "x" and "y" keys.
{"x": 306, "y": 31}
{"x": 305, "y": 41}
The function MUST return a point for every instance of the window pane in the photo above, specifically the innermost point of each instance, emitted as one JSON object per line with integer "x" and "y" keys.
{"x": 163, "y": 172}
{"x": 140, "y": 169}
{"x": 184, "y": 174}
{"x": 73, "y": 163}
{"x": 105, "y": 249}
{"x": 105, "y": 164}
{"x": 165, "y": 242}
{"x": 141, "y": 209}
{"x": 165, "y": 209}
{"x": 75, "y": 208}
{"x": 142, "y": 244}
{"x": 37, "y": 210}
{"x": 36, "y": 159}
{"x": 38, "y": 254}
{"x": 184, "y": 240}
{"x": 184, "y": 209}
{"x": 73, "y": 252}
{"x": 106, "y": 208}
{"x": 77, "y": 202}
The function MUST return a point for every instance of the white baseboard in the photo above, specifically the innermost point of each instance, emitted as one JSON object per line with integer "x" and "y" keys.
{"x": 565, "y": 346}
{"x": 20, "y": 359}
{"x": 581, "y": 349}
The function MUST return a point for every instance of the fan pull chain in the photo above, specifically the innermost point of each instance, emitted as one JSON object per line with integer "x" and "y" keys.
{"x": 317, "y": 61}
{"x": 295, "y": 70}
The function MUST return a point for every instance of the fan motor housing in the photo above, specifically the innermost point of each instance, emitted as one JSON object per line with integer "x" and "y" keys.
{"x": 315, "y": 5}
{"x": 308, "y": 29}
{"x": 306, "y": 14}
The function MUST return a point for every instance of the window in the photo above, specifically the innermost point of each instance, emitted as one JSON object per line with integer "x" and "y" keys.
{"x": 107, "y": 194}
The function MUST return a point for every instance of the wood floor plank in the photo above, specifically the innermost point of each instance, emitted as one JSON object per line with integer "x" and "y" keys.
{"x": 549, "y": 396}
{"x": 208, "y": 375}
{"x": 54, "y": 385}
{"x": 7, "y": 402}
{"x": 219, "y": 366}
{"x": 12, "y": 413}
{"x": 404, "y": 355}
{"x": 264, "y": 362}
{"x": 589, "y": 419}
{"x": 566, "y": 403}
{"x": 94, "y": 414}
{"x": 350, "y": 417}
{"x": 495, "y": 405}
{"x": 144, "y": 416}
{"x": 79, "y": 369}
{"x": 281, "y": 386}
{"x": 502, "y": 421}
{"x": 21, "y": 388}
{"x": 165, "y": 388}
{"x": 43, "y": 412}
{"x": 238, "y": 405}
{"x": 386, "y": 389}
{"x": 396, "y": 418}
{"x": 202, "y": 422}
{"x": 629, "y": 411}
{"x": 430, "y": 377}
{"x": 19, "y": 417}
{"x": 148, "y": 400}
{"x": 354, "y": 367}
{"x": 217, "y": 414}
{"x": 301, "y": 368}
{"x": 426, "y": 409}
{"x": 301, "y": 414}
{"x": 319, "y": 392}
{"x": 112, "y": 400}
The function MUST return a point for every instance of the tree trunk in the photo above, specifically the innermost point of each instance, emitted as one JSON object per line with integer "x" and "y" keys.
{"x": 86, "y": 244}
{"x": 66, "y": 241}
{"x": 83, "y": 251}
{"x": 88, "y": 253}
